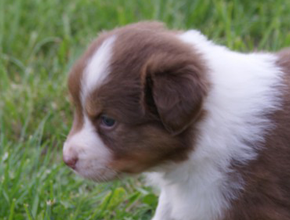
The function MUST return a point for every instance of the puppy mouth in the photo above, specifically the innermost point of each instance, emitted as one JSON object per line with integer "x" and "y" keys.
{"x": 97, "y": 173}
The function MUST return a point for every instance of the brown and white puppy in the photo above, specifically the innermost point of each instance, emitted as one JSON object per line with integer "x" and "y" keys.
{"x": 211, "y": 126}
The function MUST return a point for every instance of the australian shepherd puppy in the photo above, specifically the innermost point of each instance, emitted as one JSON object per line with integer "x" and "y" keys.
{"x": 210, "y": 126}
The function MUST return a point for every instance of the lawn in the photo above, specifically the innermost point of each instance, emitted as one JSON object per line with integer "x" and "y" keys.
{"x": 39, "y": 41}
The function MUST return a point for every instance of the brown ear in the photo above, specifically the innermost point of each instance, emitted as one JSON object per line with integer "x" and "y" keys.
{"x": 175, "y": 88}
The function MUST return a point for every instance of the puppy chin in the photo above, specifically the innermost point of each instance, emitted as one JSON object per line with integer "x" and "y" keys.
{"x": 99, "y": 174}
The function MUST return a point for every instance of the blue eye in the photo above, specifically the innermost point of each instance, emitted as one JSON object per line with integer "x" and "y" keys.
{"x": 107, "y": 121}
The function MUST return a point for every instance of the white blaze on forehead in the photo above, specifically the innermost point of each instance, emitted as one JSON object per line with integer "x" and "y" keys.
{"x": 97, "y": 69}
{"x": 91, "y": 152}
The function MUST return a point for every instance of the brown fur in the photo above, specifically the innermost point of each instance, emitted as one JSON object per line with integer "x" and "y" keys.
{"x": 266, "y": 193}
{"x": 155, "y": 91}
{"x": 76, "y": 72}
{"x": 74, "y": 83}
{"x": 155, "y": 98}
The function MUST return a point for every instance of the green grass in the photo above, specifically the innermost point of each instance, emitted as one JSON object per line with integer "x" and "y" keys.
{"x": 39, "y": 41}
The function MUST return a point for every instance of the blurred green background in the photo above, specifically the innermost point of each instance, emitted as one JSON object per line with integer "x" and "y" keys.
{"x": 39, "y": 41}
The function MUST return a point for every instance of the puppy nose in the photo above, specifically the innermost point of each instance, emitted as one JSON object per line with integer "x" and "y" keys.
{"x": 70, "y": 160}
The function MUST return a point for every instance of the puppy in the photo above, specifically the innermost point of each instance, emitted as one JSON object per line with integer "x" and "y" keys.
{"x": 209, "y": 125}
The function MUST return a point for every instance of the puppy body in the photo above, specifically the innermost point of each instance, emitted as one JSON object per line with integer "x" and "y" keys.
{"x": 210, "y": 125}
{"x": 245, "y": 90}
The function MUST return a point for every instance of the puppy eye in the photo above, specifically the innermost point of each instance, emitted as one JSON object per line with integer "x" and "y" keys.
{"x": 107, "y": 121}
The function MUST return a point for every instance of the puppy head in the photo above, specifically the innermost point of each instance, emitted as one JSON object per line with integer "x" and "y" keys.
{"x": 137, "y": 92}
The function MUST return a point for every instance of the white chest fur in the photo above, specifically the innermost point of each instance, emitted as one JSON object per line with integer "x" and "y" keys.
{"x": 244, "y": 88}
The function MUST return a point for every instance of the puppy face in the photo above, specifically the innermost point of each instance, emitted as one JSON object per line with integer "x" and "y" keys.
{"x": 137, "y": 93}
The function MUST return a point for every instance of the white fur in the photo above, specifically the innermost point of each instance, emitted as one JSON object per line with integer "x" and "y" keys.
{"x": 97, "y": 69}
{"x": 243, "y": 87}
{"x": 93, "y": 156}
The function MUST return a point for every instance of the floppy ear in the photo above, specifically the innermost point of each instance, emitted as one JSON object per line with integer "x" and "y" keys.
{"x": 174, "y": 90}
